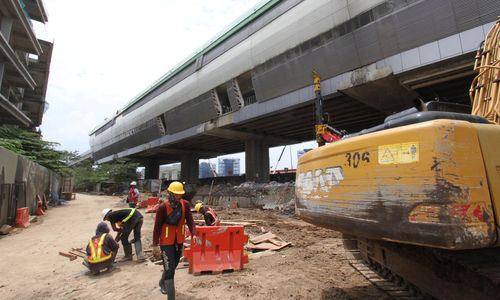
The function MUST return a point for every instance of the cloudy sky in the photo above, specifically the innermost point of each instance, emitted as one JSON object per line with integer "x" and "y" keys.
{"x": 107, "y": 52}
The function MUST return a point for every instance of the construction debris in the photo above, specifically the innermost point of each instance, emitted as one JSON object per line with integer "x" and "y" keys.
{"x": 266, "y": 241}
{"x": 5, "y": 229}
{"x": 272, "y": 195}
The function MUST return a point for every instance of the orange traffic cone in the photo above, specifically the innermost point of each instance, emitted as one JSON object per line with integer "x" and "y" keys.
{"x": 39, "y": 211}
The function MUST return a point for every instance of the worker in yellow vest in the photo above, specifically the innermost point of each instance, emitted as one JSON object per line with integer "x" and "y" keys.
{"x": 124, "y": 221}
{"x": 168, "y": 232}
{"x": 101, "y": 250}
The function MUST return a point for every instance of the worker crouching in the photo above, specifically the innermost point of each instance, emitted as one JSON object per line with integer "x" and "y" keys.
{"x": 168, "y": 232}
{"x": 124, "y": 221}
{"x": 209, "y": 215}
{"x": 101, "y": 250}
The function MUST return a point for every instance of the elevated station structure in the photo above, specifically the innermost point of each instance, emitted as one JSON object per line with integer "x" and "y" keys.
{"x": 251, "y": 87}
{"x": 24, "y": 63}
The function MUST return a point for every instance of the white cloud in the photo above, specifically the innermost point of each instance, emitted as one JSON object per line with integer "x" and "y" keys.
{"x": 107, "y": 52}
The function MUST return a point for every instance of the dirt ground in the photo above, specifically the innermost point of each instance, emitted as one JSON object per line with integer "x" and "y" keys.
{"x": 314, "y": 267}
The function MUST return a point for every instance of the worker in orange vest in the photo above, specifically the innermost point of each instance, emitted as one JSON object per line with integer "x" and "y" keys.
{"x": 168, "y": 232}
{"x": 209, "y": 215}
{"x": 133, "y": 195}
{"x": 101, "y": 250}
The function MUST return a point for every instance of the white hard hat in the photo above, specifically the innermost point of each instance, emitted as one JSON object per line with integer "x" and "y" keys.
{"x": 105, "y": 212}
{"x": 133, "y": 183}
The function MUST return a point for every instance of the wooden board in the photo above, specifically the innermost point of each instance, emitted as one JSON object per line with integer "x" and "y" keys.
{"x": 263, "y": 237}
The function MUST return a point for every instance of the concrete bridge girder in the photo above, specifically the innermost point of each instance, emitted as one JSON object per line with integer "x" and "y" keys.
{"x": 378, "y": 88}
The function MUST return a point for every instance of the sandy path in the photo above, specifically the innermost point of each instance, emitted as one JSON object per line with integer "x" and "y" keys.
{"x": 314, "y": 268}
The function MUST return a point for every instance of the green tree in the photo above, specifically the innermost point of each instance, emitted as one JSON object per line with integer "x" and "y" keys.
{"x": 113, "y": 174}
{"x": 33, "y": 147}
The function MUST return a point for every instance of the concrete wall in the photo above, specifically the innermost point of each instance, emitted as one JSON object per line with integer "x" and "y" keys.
{"x": 21, "y": 180}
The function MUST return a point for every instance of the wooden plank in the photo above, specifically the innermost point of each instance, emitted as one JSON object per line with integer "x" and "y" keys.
{"x": 276, "y": 242}
{"x": 79, "y": 250}
{"x": 266, "y": 246}
{"x": 262, "y": 238}
{"x": 237, "y": 223}
{"x": 77, "y": 254}
{"x": 71, "y": 256}
{"x": 262, "y": 246}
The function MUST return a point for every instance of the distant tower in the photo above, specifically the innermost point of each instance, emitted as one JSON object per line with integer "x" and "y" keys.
{"x": 229, "y": 167}
{"x": 171, "y": 171}
{"x": 206, "y": 170}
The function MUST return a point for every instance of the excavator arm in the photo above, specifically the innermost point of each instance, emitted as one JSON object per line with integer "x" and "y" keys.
{"x": 324, "y": 132}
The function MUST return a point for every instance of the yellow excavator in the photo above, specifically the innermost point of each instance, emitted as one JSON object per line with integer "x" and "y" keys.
{"x": 418, "y": 197}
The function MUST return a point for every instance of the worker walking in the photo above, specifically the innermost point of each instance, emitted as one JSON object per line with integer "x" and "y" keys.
{"x": 209, "y": 215}
{"x": 124, "y": 221}
{"x": 168, "y": 232}
{"x": 101, "y": 250}
{"x": 133, "y": 195}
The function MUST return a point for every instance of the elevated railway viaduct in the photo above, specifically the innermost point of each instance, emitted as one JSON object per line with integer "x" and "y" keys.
{"x": 250, "y": 88}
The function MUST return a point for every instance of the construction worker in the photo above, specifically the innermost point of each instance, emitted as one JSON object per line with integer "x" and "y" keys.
{"x": 124, "y": 221}
{"x": 211, "y": 218}
{"x": 101, "y": 250}
{"x": 169, "y": 233}
{"x": 133, "y": 195}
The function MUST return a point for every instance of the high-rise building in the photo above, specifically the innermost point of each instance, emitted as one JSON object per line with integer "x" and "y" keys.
{"x": 206, "y": 170}
{"x": 228, "y": 167}
{"x": 171, "y": 172}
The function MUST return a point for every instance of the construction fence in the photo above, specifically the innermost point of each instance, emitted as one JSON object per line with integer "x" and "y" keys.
{"x": 22, "y": 182}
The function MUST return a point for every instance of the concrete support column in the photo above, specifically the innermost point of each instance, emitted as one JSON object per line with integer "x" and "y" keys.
{"x": 152, "y": 170}
{"x": 189, "y": 168}
{"x": 256, "y": 161}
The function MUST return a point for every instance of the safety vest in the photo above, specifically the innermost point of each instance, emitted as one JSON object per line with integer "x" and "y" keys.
{"x": 171, "y": 234}
{"x": 96, "y": 253}
{"x": 214, "y": 217}
{"x": 131, "y": 196}
{"x": 132, "y": 211}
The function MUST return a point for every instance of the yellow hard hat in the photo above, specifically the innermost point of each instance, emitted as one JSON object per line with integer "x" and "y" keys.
{"x": 176, "y": 187}
{"x": 197, "y": 206}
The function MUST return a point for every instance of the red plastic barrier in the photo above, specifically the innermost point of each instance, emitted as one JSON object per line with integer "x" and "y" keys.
{"x": 152, "y": 204}
{"x": 141, "y": 204}
{"x": 22, "y": 218}
{"x": 220, "y": 249}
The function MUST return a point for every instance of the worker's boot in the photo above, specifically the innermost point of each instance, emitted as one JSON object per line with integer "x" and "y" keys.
{"x": 138, "y": 250}
{"x": 162, "y": 286}
{"x": 127, "y": 249}
{"x": 169, "y": 284}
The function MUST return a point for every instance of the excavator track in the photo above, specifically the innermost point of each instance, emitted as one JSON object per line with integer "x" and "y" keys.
{"x": 414, "y": 272}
